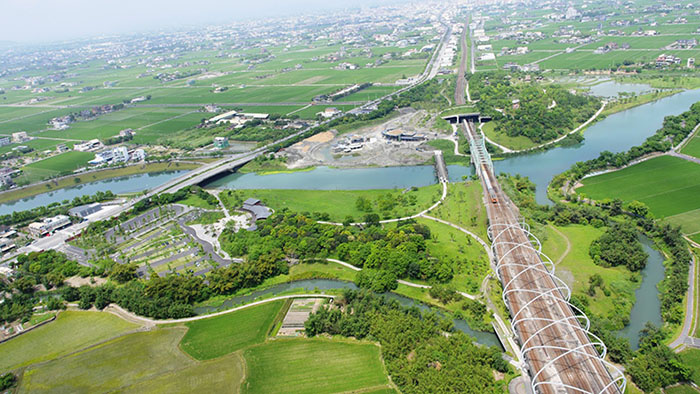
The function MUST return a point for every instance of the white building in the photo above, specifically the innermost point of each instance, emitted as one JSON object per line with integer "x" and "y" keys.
{"x": 120, "y": 154}
{"x": 138, "y": 155}
{"x": 46, "y": 226}
{"x": 88, "y": 146}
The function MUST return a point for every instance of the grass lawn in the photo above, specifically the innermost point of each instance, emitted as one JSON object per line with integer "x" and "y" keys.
{"x": 448, "y": 151}
{"x": 217, "y": 336}
{"x": 682, "y": 389}
{"x": 669, "y": 186}
{"x": 341, "y": 203}
{"x": 463, "y": 206}
{"x": 194, "y": 200}
{"x": 691, "y": 357}
{"x": 467, "y": 256}
{"x": 70, "y": 331}
{"x": 515, "y": 143}
{"x": 577, "y": 266}
{"x": 313, "y": 366}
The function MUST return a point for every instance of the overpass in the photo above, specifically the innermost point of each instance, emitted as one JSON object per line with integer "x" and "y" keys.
{"x": 561, "y": 353}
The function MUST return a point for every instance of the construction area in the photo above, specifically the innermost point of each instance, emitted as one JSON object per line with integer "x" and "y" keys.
{"x": 376, "y": 145}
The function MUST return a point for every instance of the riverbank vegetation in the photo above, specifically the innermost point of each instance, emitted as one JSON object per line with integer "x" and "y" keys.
{"x": 672, "y": 132}
{"x": 540, "y": 114}
{"x": 76, "y": 180}
{"x": 418, "y": 356}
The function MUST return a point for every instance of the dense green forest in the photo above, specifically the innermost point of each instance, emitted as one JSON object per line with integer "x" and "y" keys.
{"x": 398, "y": 252}
{"x": 542, "y": 113}
{"x": 423, "y": 352}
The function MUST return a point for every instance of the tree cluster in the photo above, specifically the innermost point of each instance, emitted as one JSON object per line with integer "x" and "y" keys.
{"x": 543, "y": 113}
{"x": 655, "y": 365}
{"x": 53, "y": 209}
{"x": 619, "y": 246}
{"x": 400, "y": 251}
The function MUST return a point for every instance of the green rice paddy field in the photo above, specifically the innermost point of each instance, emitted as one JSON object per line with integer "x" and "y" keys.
{"x": 669, "y": 186}
{"x": 692, "y": 148}
{"x": 85, "y": 352}
{"x": 314, "y": 365}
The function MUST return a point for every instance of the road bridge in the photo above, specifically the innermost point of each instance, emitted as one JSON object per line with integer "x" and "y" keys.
{"x": 561, "y": 354}
{"x": 441, "y": 167}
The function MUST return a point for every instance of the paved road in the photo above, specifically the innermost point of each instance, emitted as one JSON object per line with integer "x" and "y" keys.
{"x": 119, "y": 311}
{"x": 685, "y": 337}
{"x": 684, "y": 156}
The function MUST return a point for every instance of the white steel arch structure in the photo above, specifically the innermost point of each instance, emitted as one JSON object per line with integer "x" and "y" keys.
{"x": 577, "y": 323}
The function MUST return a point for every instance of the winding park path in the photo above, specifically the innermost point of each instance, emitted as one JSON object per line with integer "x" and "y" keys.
{"x": 132, "y": 317}
{"x": 568, "y": 244}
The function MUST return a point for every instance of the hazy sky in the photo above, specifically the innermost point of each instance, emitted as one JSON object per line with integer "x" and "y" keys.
{"x": 53, "y": 20}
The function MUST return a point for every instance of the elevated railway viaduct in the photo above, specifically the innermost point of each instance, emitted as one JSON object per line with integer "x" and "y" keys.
{"x": 561, "y": 354}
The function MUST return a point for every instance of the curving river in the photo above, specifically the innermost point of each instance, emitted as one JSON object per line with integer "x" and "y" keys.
{"x": 616, "y": 133}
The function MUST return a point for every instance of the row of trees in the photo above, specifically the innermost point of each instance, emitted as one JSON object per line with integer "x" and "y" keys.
{"x": 55, "y": 208}
{"x": 423, "y": 352}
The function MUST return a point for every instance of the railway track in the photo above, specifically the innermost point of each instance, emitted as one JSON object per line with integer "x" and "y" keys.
{"x": 561, "y": 354}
